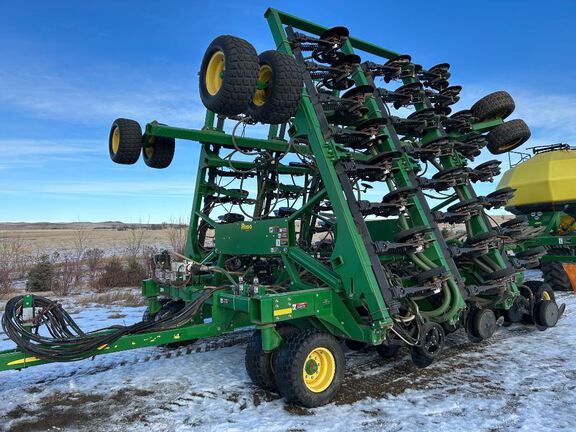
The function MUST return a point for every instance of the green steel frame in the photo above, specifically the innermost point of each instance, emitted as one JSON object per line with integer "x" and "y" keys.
{"x": 340, "y": 285}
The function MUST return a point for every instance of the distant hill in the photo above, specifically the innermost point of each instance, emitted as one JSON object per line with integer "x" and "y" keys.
{"x": 64, "y": 225}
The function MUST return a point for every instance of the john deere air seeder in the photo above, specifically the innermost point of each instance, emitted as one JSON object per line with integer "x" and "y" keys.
{"x": 318, "y": 231}
{"x": 545, "y": 207}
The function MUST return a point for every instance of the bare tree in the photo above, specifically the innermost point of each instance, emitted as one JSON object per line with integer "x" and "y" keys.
{"x": 65, "y": 273}
{"x": 136, "y": 241}
{"x": 94, "y": 258}
{"x": 13, "y": 259}
{"x": 80, "y": 241}
{"x": 177, "y": 232}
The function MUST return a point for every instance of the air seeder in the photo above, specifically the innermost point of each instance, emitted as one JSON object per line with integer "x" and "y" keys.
{"x": 545, "y": 204}
{"x": 319, "y": 231}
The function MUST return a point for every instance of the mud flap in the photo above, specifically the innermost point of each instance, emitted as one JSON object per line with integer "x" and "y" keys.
{"x": 570, "y": 269}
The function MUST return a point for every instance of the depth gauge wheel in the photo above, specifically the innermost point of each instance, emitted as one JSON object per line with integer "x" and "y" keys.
{"x": 309, "y": 368}
{"x": 279, "y": 88}
{"x": 541, "y": 290}
{"x": 430, "y": 344}
{"x": 228, "y": 75}
{"x": 125, "y": 141}
{"x": 481, "y": 325}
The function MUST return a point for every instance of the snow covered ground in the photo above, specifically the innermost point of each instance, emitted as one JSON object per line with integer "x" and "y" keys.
{"x": 522, "y": 379}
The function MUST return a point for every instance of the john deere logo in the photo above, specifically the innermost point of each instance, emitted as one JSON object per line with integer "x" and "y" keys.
{"x": 245, "y": 227}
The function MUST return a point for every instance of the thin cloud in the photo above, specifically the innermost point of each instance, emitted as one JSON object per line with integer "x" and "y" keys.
{"x": 99, "y": 97}
{"x": 35, "y": 153}
{"x": 105, "y": 188}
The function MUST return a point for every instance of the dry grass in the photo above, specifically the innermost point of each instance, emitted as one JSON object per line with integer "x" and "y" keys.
{"x": 60, "y": 239}
{"x": 120, "y": 297}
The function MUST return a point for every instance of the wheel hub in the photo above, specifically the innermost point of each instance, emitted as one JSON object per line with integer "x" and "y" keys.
{"x": 319, "y": 370}
{"x": 215, "y": 72}
{"x": 547, "y": 313}
{"x": 264, "y": 81}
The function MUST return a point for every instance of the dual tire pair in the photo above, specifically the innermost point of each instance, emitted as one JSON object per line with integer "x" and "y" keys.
{"x": 507, "y": 136}
{"x": 235, "y": 80}
{"x": 307, "y": 369}
{"x": 126, "y": 143}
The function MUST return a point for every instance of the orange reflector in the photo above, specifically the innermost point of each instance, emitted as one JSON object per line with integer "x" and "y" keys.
{"x": 570, "y": 269}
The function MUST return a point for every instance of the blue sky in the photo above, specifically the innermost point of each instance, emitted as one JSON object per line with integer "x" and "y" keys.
{"x": 68, "y": 69}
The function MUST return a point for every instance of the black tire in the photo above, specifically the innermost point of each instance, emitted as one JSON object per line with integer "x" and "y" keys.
{"x": 484, "y": 323}
{"x": 158, "y": 151}
{"x": 228, "y": 75}
{"x": 259, "y": 363}
{"x": 432, "y": 338}
{"x": 553, "y": 271}
{"x": 541, "y": 290}
{"x": 495, "y": 105}
{"x": 125, "y": 141}
{"x": 291, "y": 359}
{"x": 278, "y": 102}
{"x": 508, "y": 136}
{"x": 546, "y": 314}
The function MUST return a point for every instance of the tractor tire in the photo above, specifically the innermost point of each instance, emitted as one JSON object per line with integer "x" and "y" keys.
{"x": 278, "y": 101}
{"x": 309, "y": 368}
{"x": 125, "y": 141}
{"x": 554, "y": 274}
{"x": 158, "y": 152}
{"x": 228, "y": 75}
{"x": 495, "y": 105}
{"x": 508, "y": 136}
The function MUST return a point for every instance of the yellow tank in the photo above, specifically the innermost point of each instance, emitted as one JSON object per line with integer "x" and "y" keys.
{"x": 547, "y": 178}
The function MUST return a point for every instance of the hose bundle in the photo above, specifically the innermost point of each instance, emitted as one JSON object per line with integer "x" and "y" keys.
{"x": 67, "y": 341}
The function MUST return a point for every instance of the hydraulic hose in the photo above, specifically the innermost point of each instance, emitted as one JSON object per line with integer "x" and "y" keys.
{"x": 67, "y": 341}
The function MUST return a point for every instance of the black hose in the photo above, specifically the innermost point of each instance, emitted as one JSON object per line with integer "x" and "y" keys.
{"x": 67, "y": 342}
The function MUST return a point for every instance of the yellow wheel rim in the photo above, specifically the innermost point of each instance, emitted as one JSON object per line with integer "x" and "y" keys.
{"x": 149, "y": 151}
{"x": 215, "y": 72}
{"x": 546, "y": 296}
{"x": 319, "y": 369}
{"x": 115, "y": 140}
{"x": 264, "y": 82}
